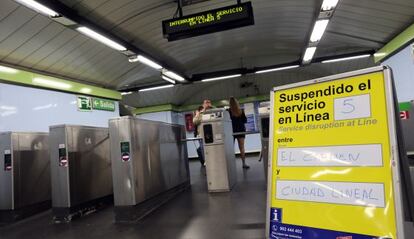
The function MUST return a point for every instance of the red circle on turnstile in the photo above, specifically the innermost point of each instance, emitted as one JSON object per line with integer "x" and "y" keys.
{"x": 63, "y": 161}
{"x": 125, "y": 157}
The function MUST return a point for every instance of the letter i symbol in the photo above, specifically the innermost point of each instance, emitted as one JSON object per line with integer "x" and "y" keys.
{"x": 275, "y": 216}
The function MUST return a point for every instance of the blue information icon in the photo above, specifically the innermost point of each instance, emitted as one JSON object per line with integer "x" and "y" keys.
{"x": 276, "y": 214}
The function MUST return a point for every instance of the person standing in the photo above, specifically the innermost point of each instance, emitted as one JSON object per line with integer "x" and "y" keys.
{"x": 199, "y": 114}
{"x": 238, "y": 119}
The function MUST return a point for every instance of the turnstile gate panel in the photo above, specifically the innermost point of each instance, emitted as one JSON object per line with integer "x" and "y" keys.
{"x": 24, "y": 174}
{"x": 80, "y": 168}
{"x": 149, "y": 164}
{"x": 264, "y": 119}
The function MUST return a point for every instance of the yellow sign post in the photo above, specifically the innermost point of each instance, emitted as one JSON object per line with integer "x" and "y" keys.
{"x": 334, "y": 170}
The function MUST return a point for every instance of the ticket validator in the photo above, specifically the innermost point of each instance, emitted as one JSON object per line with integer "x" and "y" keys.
{"x": 218, "y": 143}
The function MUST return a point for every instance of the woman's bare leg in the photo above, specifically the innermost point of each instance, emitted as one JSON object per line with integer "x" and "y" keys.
{"x": 240, "y": 142}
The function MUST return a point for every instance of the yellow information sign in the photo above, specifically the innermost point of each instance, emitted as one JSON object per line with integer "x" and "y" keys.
{"x": 332, "y": 170}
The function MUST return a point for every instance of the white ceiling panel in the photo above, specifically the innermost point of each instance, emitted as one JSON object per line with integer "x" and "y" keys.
{"x": 279, "y": 36}
{"x": 23, "y": 35}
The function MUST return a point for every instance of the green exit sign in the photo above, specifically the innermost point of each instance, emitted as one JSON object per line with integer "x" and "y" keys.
{"x": 102, "y": 104}
{"x": 86, "y": 103}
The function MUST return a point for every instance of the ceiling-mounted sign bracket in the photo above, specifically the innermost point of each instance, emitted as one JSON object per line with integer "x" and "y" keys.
{"x": 180, "y": 8}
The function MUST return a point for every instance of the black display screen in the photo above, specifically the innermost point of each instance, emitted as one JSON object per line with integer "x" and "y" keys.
{"x": 125, "y": 147}
{"x": 215, "y": 20}
{"x": 208, "y": 133}
{"x": 7, "y": 162}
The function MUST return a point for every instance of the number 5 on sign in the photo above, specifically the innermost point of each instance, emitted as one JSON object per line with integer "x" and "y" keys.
{"x": 352, "y": 107}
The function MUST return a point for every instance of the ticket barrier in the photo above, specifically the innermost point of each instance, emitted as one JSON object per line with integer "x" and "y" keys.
{"x": 407, "y": 128}
{"x": 80, "y": 170}
{"x": 149, "y": 165}
{"x": 264, "y": 119}
{"x": 218, "y": 143}
{"x": 24, "y": 175}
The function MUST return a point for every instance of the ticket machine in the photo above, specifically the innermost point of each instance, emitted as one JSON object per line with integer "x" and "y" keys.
{"x": 264, "y": 118}
{"x": 218, "y": 143}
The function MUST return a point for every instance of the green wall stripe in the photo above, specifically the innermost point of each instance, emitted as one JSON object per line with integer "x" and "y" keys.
{"x": 185, "y": 108}
{"x": 405, "y": 106}
{"x": 155, "y": 108}
{"x": 20, "y": 77}
{"x": 395, "y": 44}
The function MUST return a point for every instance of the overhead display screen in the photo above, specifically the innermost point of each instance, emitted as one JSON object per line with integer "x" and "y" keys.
{"x": 216, "y": 20}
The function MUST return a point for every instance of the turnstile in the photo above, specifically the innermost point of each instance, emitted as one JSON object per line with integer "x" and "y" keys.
{"x": 407, "y": 128}
{"x": 149, "y": 165}
{"x": 24, "y": 175}
{"x": 264, "y": 119}
{"x": 80, "y": 170}
{"x": 218, "y": 144}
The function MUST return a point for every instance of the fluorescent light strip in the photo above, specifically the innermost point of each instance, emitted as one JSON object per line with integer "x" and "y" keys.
{"x": 277, "y": 69}
{"x": 310, "y": 51}
{"x": 168, "y": 79}
{"x": 38, "y": 7}
{"x": 51, "y": 83}
{"x": 146, "y": 61}
{"x": 221, "y": 78}
{"x": 329, "y": 5}
{"x": 126, "y": 93}
{"x": 157, "y": 88}
{"x": 8, "y": 70}
{"x": 318, "y": 30}
{"x": 92, "y": 34}
{"x": 347, "y": 58}
{"x": 173, "y": 75}
{"x": 85, "y": 90}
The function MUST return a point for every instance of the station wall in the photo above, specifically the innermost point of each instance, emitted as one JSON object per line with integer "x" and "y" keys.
{"x": 31, "y": 109}
{"x": 402, "y": 65}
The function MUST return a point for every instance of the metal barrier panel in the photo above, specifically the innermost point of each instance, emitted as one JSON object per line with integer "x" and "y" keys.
{"x": 148, "y": 159}
{"x": 80, "y": 165}
{"x": 24, "y": 171}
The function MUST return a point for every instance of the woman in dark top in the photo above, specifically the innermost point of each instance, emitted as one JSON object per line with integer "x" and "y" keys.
{"x": 238, "y": 119}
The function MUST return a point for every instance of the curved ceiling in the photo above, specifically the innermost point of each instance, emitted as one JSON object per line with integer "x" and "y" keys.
{"x": 280, "y": 35}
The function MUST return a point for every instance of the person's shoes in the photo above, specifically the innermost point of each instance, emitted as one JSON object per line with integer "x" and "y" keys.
{"x": 246, "y": 166}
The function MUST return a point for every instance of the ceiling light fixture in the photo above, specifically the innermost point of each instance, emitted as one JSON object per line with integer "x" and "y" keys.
{"x": 318, "y": 30}
{"x": 310, "y": 51}
{"x": 92, "y": 34}
{"x": 168, "y": 79}
{"x": 51, "y": 83}
{"x": 126, "y": 93}
{"x": 85, "y": 90}
{"x": 156, "y": 88}
{"x": 145, "y": 61}
{"x": 329, "y": 5}
{"x": 221, "y": 78}
{"x": 173, "y": 75}
{"x": 38, "y": 7}
{"x": 8, "y": 70}
{"x": 277, "y": 69}
{"x": 346, "y": 58}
